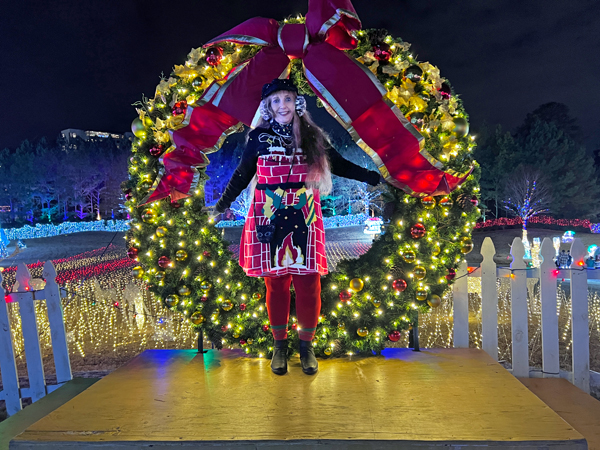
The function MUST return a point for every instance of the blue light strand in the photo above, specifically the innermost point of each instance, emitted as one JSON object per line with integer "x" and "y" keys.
{"x": 40, "y": 231}
{"x": 328, "y": 222}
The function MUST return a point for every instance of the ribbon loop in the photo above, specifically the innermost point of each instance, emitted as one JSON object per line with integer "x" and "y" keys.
{"x": 293, "y": 40}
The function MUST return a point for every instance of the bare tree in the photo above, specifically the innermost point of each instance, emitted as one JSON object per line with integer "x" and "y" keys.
{"x": 526, "y": 195}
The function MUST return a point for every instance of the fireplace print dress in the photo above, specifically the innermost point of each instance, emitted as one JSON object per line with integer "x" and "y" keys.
{"x": 282, "y": 199}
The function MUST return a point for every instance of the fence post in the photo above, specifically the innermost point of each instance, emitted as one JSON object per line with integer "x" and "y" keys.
{"x": 580, "y": 318}
{"x": 489, "y": 299}
{"x": 60, "y": 349}
{"x": 550, "y": 365}
{"x": 460, "y": 295}
{"x": 33, "y": 353}
{"x": 8, "y": 365}
{"x": 519, "y": 311}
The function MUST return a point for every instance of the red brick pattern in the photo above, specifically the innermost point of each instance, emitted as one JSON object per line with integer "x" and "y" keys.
{"x": 255, "y": 257}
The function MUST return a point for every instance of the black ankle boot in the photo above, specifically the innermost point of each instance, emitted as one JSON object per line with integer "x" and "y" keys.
{"x": 279, "y": 360}
{"x": 307, "y": 358}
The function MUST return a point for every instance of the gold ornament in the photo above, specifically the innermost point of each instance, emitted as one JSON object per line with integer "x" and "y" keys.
{"x": 149, "y": 215}
{"x": 446, "y": 203}
{"x": 420, "y": 272}
{"x": 466, "y": 245}
{"x": 138, "y": 128}
{"x": 160, "y": 275}
{"x": 138, "y": 272}
{"x": 328, "y": 351}
{"x": 256, "y": 296}
{"x": 205, "y": 286}
{"x": 356, "y": 284}
{"x": 148, "y": 121}
{"x": 434, "y": 301}
{"x": 436, "y": 250}
{"x": 181, "y": 255}
{"x": 184, "y": 290}
{"x": 376, "y": 302}
{"x": 421, "y": 294}
{"x": 428, "y": 202}
{"x": 341, "y": 326}
{"x": 161, "y": 231}
{"x": 461, "y": 127}
{"x": 227, "y": 305}
{"x": 171, "y": 300}
{"x": 236, "y": 334}
{"x": 197, "y": 318}
{"x": 362, "y": 332}
{"x": 250, "y": 341}
{"x": 409, "y": 256}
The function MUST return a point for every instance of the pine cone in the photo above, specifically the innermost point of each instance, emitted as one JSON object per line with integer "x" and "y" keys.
{"x": 464, "y": 201}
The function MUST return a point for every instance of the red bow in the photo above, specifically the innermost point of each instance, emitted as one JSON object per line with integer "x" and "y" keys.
{"x": 349, "y": 91}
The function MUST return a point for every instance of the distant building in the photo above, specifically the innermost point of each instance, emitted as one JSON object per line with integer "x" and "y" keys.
{"x": 70, "y": 136}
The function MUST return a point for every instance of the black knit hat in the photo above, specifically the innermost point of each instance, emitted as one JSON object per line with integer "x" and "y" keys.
{"x": 278, "y": 84}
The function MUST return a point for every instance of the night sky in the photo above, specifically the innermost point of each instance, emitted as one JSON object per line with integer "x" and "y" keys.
{"x": 81, "y": 64}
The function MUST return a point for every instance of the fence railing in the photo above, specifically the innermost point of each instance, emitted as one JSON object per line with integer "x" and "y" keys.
{"x": 27, "y": 293}
{"x": 548, "y": 276}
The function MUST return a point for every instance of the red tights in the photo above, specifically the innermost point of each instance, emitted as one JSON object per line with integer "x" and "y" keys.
{"x": 308, "y": 304}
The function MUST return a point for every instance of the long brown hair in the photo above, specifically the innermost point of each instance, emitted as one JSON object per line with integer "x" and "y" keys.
{"x": 314, "y": 143}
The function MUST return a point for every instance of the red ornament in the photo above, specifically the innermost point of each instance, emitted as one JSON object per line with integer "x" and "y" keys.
{"x": 382, "y": 51}
{"x": 175, "y": 204}
{"x": 132, "y": 253}
{"x": 345, "y": 296}
{"x": 156, "y": 151}
{"x": 445, "y": 91}
{"x": 294, "y": 326}
{"x": 243, "y": 306}
{"x": 206, "y": 254}
{"x": 214, "y": 55}
{"x": 164, "y": 262}
{"x": 394, "y": 336}
{"x": 451, "y": 274}
{"x": 179, "y": 108}
{"x": 399, "y": 285}
{"x": 242, "y": 341}
{"x": 223, "y": 328}
{"x": 204, "y": 298}
{"x": 417, "y": 231}
{"x": 265, "y": 328}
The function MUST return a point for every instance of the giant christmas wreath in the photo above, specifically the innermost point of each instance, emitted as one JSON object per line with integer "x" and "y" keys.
{"x": 367, "y": 302}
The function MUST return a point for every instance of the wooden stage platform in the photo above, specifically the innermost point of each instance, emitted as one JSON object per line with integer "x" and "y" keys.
{"x": 443, "y": 398}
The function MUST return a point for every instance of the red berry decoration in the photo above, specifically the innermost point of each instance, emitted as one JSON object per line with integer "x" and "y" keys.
{"x": 157, "y": 150}
{"x": 451, "y": 274}
{"x": 242, "y": 341}
{"x": 132, "y": 253}
{"x": 394, "y": 336}
{"x": 214, "y": 55}
{"x": 382, "y": 51}
{"x": 445, "y": 91}
{"x": 399, "y": 285}
{"x": 164, "y": 262}
{"x": 179, "y": 108}
{"x": 345, "y": 296}
{"x": 206, "y": 254}
{"x": 417, "y": 231}
{"x": 204, "y": 298}
{"x": 243, "y": 306}
{"x": 265, "y": 328}
{"x": 223, "y": 328}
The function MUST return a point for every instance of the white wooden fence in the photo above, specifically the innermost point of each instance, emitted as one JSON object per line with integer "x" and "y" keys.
{"x": 27, "y": 296}
{"x": 518, "y": 273}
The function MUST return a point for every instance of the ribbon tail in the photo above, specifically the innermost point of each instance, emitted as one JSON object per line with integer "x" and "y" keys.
{"x": 357, "y": 100}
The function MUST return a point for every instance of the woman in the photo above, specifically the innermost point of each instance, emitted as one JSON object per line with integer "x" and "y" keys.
{"x": 283, "y": 237}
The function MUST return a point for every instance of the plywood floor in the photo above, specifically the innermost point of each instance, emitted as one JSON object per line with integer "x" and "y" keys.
{"x": 402, "y": 399}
